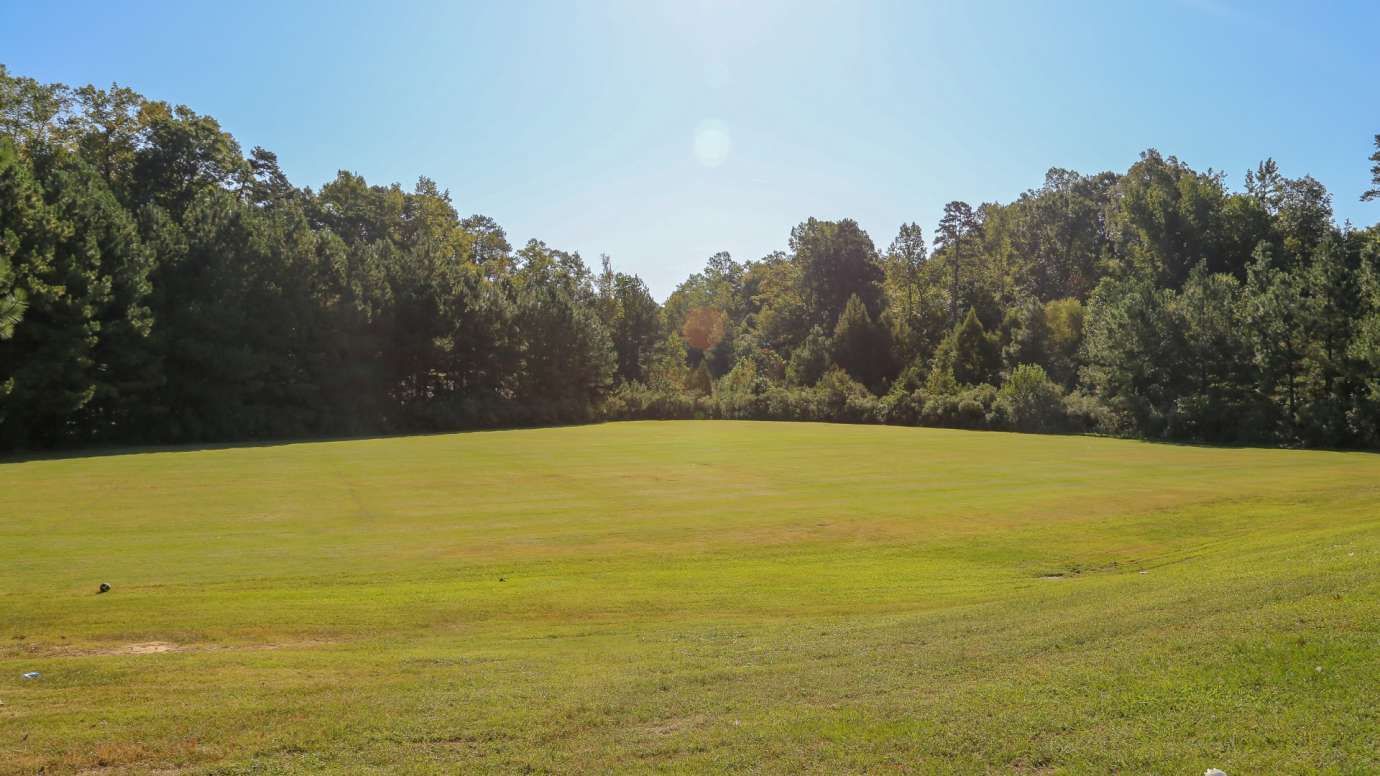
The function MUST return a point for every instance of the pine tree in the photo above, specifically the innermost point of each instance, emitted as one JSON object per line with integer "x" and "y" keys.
{"x": 1374, "y": 191}
{"x": 956, "y": 229}
{"x": 860, "y": 346}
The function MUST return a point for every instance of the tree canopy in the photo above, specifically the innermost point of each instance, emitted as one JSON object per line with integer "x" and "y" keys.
{"x": 158, "y": 284}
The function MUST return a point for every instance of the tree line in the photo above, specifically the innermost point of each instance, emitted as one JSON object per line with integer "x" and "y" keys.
{"x": 158, "y": 285}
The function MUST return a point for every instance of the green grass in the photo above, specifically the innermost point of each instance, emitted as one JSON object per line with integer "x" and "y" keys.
{"x": 693, "y": 597}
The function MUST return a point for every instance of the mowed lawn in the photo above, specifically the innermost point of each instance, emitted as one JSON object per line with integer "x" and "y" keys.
{"x": 692, "y": 597}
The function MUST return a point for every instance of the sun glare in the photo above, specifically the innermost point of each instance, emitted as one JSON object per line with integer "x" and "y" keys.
{"x": 712, "y": 143}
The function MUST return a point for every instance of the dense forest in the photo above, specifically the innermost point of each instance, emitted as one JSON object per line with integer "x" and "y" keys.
{"x": 158, "y": 285}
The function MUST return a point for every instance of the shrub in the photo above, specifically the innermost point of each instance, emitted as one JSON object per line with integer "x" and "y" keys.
{"x": 902, "y": 408}
{"x": 1030, "y": 401}
{"x": 975, "y": 406}
{"x": 844, "y": 399}
{"x": 635, "y": 401}
{"x": 1084, "y": 412}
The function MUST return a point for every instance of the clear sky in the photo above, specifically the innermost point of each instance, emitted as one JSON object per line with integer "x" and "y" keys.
{"x": 662, "y": 132}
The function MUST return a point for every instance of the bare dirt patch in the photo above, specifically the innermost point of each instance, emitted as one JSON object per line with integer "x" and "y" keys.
{"x": 74, "y": 650}
{"x": 161, "y": 647}
{"x": 147, "y": 648}
{"x": 674, "y": 725}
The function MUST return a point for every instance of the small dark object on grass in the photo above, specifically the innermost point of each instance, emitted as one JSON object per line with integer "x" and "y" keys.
{"x": 502, "y": 579}
{"x": 104, "y": 588}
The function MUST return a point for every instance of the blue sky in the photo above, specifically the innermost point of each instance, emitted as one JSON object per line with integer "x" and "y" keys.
{"x": 577, "y": 122}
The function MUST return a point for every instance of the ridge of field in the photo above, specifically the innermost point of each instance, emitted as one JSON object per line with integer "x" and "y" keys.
{"x": 692, "y": 597}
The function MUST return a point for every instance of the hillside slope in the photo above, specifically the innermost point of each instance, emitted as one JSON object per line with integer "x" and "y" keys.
{"x": 692, "y": 597}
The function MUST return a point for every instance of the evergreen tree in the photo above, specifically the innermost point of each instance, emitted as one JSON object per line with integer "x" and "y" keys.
{"x": 635, "y": 327}
{"x": 1374, "y": 191}
{"x": 1214, "y": 402}
{"x": 1277, "y": 315}
{"x": 811, "y": 359}
{"x": 861, "y": 347}
{"x": 957, "y": 227}
{"x": 1131, "y": 353}
{"x": 20, "y": 208}
{"x": 82, "y": 274}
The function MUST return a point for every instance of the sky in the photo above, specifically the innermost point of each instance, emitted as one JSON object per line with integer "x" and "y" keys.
{"x": 660, "y": 133}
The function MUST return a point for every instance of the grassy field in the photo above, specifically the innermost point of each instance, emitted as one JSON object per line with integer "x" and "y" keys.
{"x": 692, "y": 597}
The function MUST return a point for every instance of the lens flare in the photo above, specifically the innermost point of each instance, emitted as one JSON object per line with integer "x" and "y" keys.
{"x": 712, "y": 143}
{"x": 704, "y": 328}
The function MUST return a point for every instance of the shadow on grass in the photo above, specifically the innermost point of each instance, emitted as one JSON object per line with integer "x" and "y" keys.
{"x": 118, "y": 450}
{"x": 106, "y": 451}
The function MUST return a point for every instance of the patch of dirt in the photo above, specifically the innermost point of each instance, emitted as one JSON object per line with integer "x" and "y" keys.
{"x": 160, "y": 647}
{"x": 147, "y": 648}
{"x": 137, "y": 648}
{"x": 674, "y": 725}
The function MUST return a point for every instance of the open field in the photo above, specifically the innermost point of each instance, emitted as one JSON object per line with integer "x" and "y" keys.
{"x": 693, "y": 597}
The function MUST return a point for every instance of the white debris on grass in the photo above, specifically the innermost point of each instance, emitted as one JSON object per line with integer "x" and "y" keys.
{"x": 1214, "y": 772}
